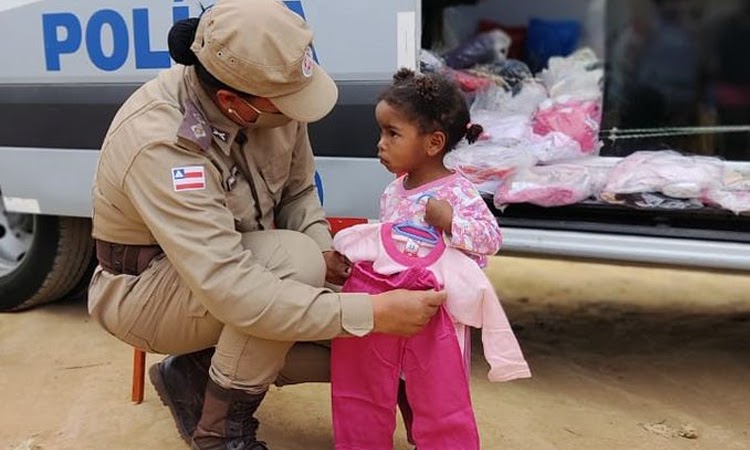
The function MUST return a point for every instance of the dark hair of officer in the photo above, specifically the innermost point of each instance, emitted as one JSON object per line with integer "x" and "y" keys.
{"x": 434, "y": 103}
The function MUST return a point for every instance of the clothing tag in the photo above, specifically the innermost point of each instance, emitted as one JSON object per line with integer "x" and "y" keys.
{"x": 412, "y": 247}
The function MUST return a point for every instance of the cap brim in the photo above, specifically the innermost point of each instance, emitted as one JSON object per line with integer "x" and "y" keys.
{"x": 311, "y": 103}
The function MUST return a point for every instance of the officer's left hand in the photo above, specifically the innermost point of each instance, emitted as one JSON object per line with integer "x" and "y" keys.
{"x": 439, "y": 214}
{"x": 338, "y": 267}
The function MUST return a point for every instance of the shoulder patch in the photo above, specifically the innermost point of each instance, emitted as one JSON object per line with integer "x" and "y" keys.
{"x": 190, "y": 178}
{"x": 194, "y": 127}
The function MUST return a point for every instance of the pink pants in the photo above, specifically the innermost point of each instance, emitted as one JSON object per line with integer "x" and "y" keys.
{"x": 365, "y": 376}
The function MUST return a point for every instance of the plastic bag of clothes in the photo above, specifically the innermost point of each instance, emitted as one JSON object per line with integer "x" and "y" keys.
{"x": 553, "y": 185}
{"x": 666, "y": 172}
{"x": 430, "y": 62}
{"x": 580, "y": 120}
{"x": 507, "y": 130}
{"x": 486, "y": 163}
{"x": 483, "y": 48}
{"x": 501, "y": 103}
{"x": 575, "y": 76}
{"x": 736, "y": 201}
{"x": 509, "y": 73}
{"x": 467, "y": 81}
{"x": 734, "y": 195}
{"x": 554, "y": 146}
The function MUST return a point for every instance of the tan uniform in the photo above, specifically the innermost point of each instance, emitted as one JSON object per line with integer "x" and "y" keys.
{"x": 230, "y": 275}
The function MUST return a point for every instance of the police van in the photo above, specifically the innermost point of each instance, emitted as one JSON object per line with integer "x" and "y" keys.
{"x": 68, "y": 65}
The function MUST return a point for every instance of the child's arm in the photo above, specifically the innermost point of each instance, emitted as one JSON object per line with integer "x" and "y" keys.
{"x": 466, "y": 220}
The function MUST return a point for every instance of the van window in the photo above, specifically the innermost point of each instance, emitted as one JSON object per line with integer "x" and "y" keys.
{"x": 677, "y": 72}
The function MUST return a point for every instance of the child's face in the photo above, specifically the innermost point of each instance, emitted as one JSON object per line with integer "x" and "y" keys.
{"x": 401, "y": 147}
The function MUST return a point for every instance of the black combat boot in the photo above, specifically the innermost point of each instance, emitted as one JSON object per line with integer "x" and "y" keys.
{"x": 227, "y": 422}
{"x": 180, "y": 381}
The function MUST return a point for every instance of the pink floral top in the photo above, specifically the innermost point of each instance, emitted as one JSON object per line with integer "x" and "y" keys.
{"x": 474, "y": 231}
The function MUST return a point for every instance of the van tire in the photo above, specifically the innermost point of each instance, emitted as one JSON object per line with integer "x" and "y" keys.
{"x": 57, "y": 263}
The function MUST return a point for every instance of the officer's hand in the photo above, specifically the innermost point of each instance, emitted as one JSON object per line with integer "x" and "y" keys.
{"x": 439, "y": 213}
{"x": 403, "y": 312}
{"x": 338, "y": 267}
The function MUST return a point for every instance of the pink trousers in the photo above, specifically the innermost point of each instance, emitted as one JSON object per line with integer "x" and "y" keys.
{"x": 365, "y": 375}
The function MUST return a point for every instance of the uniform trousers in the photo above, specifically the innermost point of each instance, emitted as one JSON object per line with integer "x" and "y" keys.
{"x": 156, "y": 312}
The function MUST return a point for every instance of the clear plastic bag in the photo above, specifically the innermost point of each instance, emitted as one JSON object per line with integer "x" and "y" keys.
{"x": 667, "y": 172}
{"x": 580, "y": 120}
{"x": 554, "y": 146}
{"x": 430, "y": 62}
{"x": 486, "y": 163}
{"x": 554, "y": 185}
{"x": 736, "y": 201}
{"x": 483, "y": 48}
{"x": 503, "y": 130}
{"x": 574, "y": 76}
{"x": 504, "y": 103}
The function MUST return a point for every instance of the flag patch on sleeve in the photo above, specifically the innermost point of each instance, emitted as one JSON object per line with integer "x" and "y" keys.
{"x": 188, "y": 178}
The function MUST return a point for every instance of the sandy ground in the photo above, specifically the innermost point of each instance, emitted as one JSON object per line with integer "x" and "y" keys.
{"x": 623, "y": 358}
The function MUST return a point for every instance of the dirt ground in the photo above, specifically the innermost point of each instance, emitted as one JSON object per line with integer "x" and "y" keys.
{"x": 623, "y": 358}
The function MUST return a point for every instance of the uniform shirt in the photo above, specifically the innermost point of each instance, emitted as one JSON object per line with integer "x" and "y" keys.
{"x": 172, "y": 172}
{"x": 474, "y": 230}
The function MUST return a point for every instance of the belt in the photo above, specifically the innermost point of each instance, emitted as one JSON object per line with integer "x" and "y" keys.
{"x": 125, "y": 259}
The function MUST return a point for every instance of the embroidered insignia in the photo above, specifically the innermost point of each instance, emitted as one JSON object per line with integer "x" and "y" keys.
{"x": 194, "y": 128}
{"x": 308, "y": 64}
{"x": 222, "y": 135}
{"x": 190, "y": 178}
{"x": 198, "y": 131}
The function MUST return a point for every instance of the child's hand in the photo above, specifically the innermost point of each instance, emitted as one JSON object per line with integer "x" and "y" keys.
{"x": 439, "y": 214}
{"x": 338, "y": 267}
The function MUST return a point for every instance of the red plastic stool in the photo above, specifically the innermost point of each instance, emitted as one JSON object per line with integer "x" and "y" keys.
{"x": 139, "y": 373}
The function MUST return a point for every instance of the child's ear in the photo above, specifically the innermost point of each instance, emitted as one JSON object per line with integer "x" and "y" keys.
{"x": 436, "y": 143}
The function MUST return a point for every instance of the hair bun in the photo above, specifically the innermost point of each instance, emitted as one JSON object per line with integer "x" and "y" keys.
{"x": 403, "y": 75}
{"x": 427, "y": 88}
{"x": 179, "y": 40}
{"x": 473, "y": 132}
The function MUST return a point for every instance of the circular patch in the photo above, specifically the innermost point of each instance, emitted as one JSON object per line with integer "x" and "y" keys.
{"x": 308, "y": 63}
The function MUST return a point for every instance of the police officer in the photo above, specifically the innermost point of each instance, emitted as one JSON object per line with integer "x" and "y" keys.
{"x": 209, "y": 232}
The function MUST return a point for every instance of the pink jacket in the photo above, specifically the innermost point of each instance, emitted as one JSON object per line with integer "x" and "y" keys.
{"x": 471, "y": 299}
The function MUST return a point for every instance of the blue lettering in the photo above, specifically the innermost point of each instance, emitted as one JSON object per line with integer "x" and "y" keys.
{"x": 63, "y": 34}
{"x": 53, "y": 45}
{"x": 296, "y": 6}
{"x": 119, "y": 38}
{"x": 144, "y": 57}
{"x": 180, "y": 13}
{"x": 319, "y": 187}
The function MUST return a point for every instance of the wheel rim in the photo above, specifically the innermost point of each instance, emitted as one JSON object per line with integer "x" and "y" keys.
{"x": 16, "y": 232}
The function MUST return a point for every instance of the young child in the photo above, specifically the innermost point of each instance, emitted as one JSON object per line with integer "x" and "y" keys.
{"x": 421, "y": 118}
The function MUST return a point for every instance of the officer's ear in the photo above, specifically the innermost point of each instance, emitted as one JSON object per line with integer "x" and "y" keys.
{"x": 226, "y": 99}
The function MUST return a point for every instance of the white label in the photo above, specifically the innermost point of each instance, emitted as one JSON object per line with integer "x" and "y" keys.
{"x": 22, "y": 205}
{"x": 406, "y": 41}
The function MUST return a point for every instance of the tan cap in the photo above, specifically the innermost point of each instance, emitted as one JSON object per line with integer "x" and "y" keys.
{"x": 262, "y": 48}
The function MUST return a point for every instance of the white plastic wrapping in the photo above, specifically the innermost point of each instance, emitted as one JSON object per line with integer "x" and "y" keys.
{"x": 486, "y": 163}
{"x": 666, "y": 172}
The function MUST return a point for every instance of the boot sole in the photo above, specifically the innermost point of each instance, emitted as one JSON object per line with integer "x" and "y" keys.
{"x": 154, "y": 374}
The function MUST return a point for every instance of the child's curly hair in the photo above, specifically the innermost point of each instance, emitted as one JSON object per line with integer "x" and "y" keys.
{"x": 434, "y": 103}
